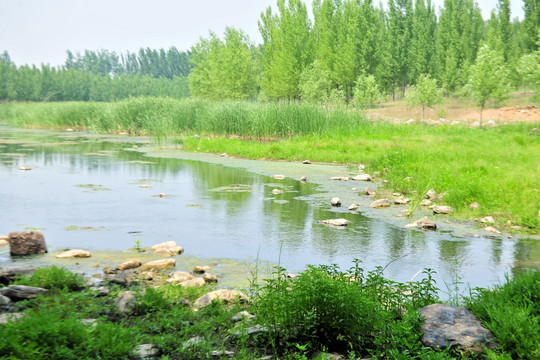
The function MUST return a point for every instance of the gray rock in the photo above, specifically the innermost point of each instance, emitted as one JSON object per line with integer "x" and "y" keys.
{"x": 487, "y": 219}
{"x": 223, "y": 295}
{"x": 222, "y": 354}
{"x": 306, "y": 162}
{"x": 335, "y": 202}
{"x": 146, "y": 351}
{"x": 4, "y": 300}
{"x": 168, "y": 248}
{"x": 131, "y": 264}
{"x": 353, "y": 207}
{"x": 201, "y": 269}
{"x": 193, "y": 341}
{"x": 431, "y": 195}
{"x": 241, "y": 316}
{"x": 338, "y": 223}
{"x": 22, "y": 292}
{"x": 251, "y": 333}
{"x": 454, "y": 326}
{"x": 74, "y": 253}
{"x": 442, "y": 210}
{"x": 159, "y": 264}
{"x": 370, "y": 192}
{"x": 4, "y": 318}
{"x": 210, "y": 278}
{"x": 123, "y": 278}
{"x": 362, "y": 177}
{"x": 492, "y": 229}
{"x": 380, "y": 203}
{"x": 327, "y": 356}
{"x": 26, "y": 243}
{"x": 474, "y": 206}
{"x": 339, "y": 178}
{"x": 303, "y": 179}
{"x": 126, "y": 302}
{"x": 102, "y": 291}
{"x": 9, "y": 274}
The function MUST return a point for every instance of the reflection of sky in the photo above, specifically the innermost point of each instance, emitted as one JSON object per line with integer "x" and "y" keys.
{"x": 236, "y": 225}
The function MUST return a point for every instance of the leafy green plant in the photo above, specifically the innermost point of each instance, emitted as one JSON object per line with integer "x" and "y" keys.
{"x": 53, "y": 278}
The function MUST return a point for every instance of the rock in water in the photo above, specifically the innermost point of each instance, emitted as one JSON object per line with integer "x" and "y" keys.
{"x": 431, "y": 195}
{"x": 23, "y": 243}
{"x": 159, "y": 264}
{"x": 442, "y": 210}
{"x": 447, "y": 325}
{"x": 168, "y": 248}
{"x": 131, "y": 264}
{"x": 362, "y": 177}
{"x": 339, "y": 223}
{"x": 370, "y": 192}
{"x": 380, "y": 203}
{"x": 74, "y": 253}
{"x": 335, "y": 202}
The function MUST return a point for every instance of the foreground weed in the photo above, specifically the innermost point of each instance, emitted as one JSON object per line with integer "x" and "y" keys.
{"x": 512, "y": 313}
{"x": 53, "y": 278}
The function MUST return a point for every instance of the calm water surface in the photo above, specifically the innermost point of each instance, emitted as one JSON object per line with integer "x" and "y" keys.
{"x": 85, "y": 192}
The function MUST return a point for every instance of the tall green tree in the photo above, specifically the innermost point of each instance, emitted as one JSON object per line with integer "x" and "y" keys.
{"x": 422, "y": 48}
{"x": 488, "y": 78}
{"x": 224, "y": 69}
{"x": 400, "y": 20}
{"x": 531, "y": 24}
{"x": 459, "y": 33}
{"x": 287, "y": 48}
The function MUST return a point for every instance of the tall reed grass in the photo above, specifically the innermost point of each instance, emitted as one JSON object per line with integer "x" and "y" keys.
{"x": 164, "y": 117}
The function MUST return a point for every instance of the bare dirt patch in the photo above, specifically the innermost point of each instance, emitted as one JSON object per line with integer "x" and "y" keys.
{"x": 519, "y": 108}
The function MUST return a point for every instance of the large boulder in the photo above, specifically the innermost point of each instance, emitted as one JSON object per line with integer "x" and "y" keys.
{"x": 22, "y": 292}
{"x": 454, "y": 326}
{"x": 23, "y": 243}
{"x": 9, "y": 274}
{"x": 168, "y": 248}
{"x": 362, "y": 177}
{"x": 74, "y": 253}
{"x": 223, "y": 295}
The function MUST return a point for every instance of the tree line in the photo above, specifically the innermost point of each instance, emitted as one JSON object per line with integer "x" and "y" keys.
{"x": 347, "y": 51}
{"x": 350, "y": 50}
{"x": 98, "y": 76}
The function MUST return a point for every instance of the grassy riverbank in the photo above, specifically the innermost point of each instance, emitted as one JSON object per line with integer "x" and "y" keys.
{"x": 495, "y": 167}
{"x": 366, "y": 315}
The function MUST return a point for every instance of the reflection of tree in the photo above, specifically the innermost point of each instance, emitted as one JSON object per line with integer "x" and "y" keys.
{"x": 452, "y": 250}
{"x": 496, "y": 250}
{"x": 526, "y": 255}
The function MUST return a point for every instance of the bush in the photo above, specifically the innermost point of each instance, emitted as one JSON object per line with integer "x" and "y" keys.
{"x": 343, "y": 310}
{"x": 53, "y": 278}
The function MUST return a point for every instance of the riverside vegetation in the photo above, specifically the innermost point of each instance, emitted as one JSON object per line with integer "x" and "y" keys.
{"x": 494, "y": 167}
{"x": 353, "y": 312}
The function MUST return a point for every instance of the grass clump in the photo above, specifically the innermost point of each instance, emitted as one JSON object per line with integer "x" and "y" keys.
{"x": 512, "y": 312}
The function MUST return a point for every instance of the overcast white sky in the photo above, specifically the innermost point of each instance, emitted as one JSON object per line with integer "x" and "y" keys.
{"x": 40, "y": 31}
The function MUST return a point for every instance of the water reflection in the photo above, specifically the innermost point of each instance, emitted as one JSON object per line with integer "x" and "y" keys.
{"x": 214, "y": 210}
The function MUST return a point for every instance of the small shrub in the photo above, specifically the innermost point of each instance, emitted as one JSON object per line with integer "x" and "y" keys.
{"x": 53, "y": 278}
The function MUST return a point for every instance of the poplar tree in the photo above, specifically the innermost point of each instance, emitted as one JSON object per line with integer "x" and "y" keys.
{"x": 531, "y": 24}
{"x": 287, "y": 48}
{"x": 399, "y": 32}
{"x": 424, "y": 94}
{"x": 488, "y": 78}
{"x": 422, "y": 51}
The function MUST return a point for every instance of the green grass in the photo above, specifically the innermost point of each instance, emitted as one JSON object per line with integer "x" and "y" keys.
{"x": 495, "y": 167}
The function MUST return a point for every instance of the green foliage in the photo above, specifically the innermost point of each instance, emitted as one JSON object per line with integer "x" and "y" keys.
{"x": 339, "y": 310}
{"x": 287, "y": 48}
{"x": 315, "y": 83}
{"x": 224, "y": 69}
{"x": 366, "y": 91}
{"x": 512, "y": 312}
{"x": 488, "y": 78}
{"x": 424, "y": 94}
{"x": 53, "y": 278}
